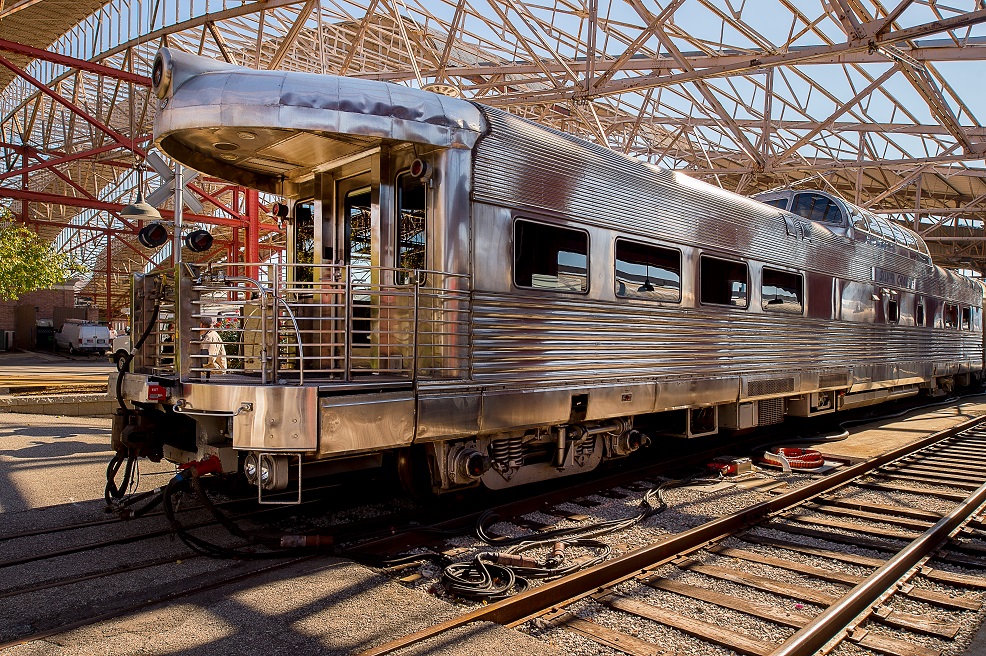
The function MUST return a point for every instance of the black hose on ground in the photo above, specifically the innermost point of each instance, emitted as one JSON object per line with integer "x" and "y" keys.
{"x": 494, "y": 575}
{"x": 189, "y": 478}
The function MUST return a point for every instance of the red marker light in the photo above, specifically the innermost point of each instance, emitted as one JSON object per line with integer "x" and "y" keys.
{"x": 156, "y": 392}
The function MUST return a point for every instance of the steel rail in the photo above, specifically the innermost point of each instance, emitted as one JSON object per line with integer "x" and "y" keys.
{"x": 835, "y": 618}
{"x": 535, "y": 601}
{"x": 220, "y": 582}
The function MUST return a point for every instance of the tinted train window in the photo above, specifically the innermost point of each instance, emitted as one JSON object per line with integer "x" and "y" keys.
{"x": 724, "y": 282}
{"x": 966, "y": 318}
{"x": 304, "y": 240}
{"x": 647, "y": 272}
{"x": 411, "y": 235}
{"x": 951, "y": 316}
{"x": 550, "y": 257}
{"x": 816, "y": 207}
{"x": 919, "y": 315}
{"x": 782, "y": 291}
{"x": 893, "y": 311}
{"x": 780, "y": 203}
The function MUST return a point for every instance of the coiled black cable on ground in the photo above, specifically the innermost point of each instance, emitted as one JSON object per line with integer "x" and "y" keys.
{"x": 482, "y": 580}
{"x": 493, "y": 575}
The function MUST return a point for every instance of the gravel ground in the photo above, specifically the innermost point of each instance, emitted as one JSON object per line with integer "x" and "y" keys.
{"x": 339, "y": 607}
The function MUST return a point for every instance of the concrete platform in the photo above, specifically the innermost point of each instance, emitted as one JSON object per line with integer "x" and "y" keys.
{"x": 36, "y": 382}
{"x": 68, "y": 405}
{"x": 38, "y": 369}
{"x": 880, "y": 436}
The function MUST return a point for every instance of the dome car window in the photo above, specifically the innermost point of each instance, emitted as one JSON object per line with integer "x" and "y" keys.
{"x": 818, "y": 208}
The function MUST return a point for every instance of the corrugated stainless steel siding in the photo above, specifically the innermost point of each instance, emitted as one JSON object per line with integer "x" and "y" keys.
{"x": 520, "y": 337}
{"x": 524, "y": 165}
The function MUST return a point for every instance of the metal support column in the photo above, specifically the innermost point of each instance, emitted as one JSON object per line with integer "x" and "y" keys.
{"x": 109, "y": 278}
{"x": 251, "y": 251}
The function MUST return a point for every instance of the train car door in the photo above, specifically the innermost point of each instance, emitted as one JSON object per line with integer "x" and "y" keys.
{"x": 353, "y": 205}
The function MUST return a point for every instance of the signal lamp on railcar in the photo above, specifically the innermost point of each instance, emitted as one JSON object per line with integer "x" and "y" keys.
{"x": 421, "y": 169}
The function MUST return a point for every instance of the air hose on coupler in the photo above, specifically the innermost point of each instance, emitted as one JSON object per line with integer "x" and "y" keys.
{"x": 112, "y": 492}
{"x": 189, "y": 479}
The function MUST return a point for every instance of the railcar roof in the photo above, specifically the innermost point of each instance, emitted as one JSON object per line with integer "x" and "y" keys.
{"x": 267, "y": 129}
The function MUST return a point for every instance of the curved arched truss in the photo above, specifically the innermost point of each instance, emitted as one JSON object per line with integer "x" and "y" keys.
{"x": 874, "y": 102}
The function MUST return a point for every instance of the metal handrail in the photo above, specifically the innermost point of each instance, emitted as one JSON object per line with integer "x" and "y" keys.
{"x": 301, "y": 348}
{"x": 348, "y": 321}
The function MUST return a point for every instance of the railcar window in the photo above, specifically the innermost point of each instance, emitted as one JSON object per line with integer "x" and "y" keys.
{"x": 782, "y": 291}
{"x": 358, "y": 217}
{"x": 550, "y": 257}
{"x": 647, "y": 272}
{"x": 899, "y": 236}
{"x": 411, "y": 235}
{"x": 919, "y": 315}
{"x": 724, "y": 282}
{"x": 966, "y": 318}
{"x": 304, "y": 240}
{"x": 951, "y": 316}
{"x": 816, "y": 207}
{"x": 780, "y": 203}
{"x": 893, "y": 311}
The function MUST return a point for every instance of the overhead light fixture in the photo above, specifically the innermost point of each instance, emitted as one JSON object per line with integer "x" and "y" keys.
{"x": 140, "y": 210}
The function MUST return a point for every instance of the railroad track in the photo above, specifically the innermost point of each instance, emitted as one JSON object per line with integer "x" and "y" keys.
{"x": 145, "y": 564}
{"x": 133, "y": 564}
{"x": 824, "y": 564}
{"x": 42, "y": 562}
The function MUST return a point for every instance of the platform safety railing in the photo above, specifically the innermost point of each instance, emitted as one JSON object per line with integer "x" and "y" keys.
{"x": 294, "y": 323}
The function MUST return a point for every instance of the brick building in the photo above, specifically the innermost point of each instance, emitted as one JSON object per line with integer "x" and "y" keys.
{"x": 52, "y": 305}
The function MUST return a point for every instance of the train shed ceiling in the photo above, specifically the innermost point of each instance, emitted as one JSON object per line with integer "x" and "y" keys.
{"x": 878, "y": 102}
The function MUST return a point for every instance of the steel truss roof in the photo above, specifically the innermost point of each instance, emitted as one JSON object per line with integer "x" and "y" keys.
{"x": 875, "y": 102}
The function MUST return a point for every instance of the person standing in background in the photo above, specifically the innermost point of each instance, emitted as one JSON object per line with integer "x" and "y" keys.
{"x": 212, "y": 347}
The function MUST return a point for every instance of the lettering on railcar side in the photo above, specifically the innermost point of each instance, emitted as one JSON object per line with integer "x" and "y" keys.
{"x": 884, "y": 277}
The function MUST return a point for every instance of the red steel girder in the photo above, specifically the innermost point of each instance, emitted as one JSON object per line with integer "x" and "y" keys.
{"x": 72, "y": 62}
{"x": 67, "y": 158}
{"x": 130, "y": 144}
{"x": 75, "y": 201}
{"x": 40, "y": 155}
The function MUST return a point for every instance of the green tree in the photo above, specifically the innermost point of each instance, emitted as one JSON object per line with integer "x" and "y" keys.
{"x": 27, "y": 262}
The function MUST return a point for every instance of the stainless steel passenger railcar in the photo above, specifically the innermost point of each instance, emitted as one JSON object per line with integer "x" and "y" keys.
{"x": 494, "y": 302}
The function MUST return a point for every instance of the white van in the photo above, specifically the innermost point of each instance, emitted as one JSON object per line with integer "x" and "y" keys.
{"x": 81, "y": 337}
{"x": 120, "y": 349}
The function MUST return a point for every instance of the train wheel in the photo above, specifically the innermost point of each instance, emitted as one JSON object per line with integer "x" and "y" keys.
{"x": 414, "y": 474}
